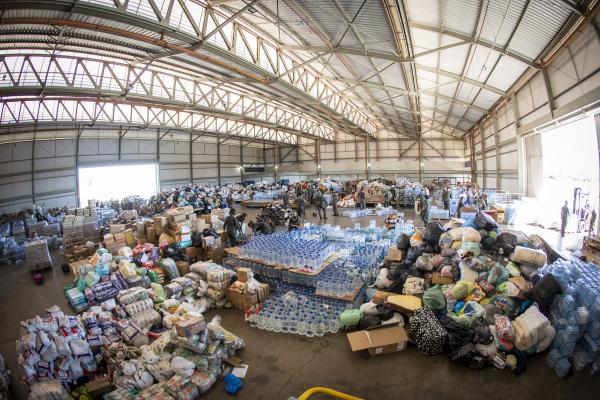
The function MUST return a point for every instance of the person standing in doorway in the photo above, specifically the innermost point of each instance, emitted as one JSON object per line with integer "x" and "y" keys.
{"x": 232, "y": 227}
{"x": 564, "y": 218}
{"x": 593, "y": 217}
{"x": 446, "y": 198}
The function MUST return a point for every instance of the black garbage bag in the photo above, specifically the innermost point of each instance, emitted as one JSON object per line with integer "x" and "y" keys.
{"x": 489, "y": 243}
{"x": 427, "y": 248}
{"x": 506, "y": 243}
{"x": 543, "y": 292}
{"x": 413, "y": 253}
{"x": 432, "y": 232}
{"x": 469, "y": 357}
{"x": 368, "y": 321}
{"x": 484, "y": 221}
{"x": 403, "y": 242}
{"x": 481, "y": 332}
{"x": 458, "y": 335}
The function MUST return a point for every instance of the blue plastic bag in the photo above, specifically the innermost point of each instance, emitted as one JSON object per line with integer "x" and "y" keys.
{"x": 233, "y": 384}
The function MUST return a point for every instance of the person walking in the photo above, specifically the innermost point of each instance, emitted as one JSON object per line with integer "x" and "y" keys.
{"x": 564, "y": 218}
{"x": 321, "y": 204}
{"x": 460, "y": 205}
{"x": 334, "y": 200}
{"x": 446, "y": 198}
{"x": 231, "y": 227}
{"x": 592, "y": 222}
{"x": 300, "y": 207}
{"x": 361, "y": 199}
{"x": 286, "y": 200}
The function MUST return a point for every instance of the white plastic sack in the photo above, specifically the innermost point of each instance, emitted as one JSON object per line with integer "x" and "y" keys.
{"x": 182, "y": 367}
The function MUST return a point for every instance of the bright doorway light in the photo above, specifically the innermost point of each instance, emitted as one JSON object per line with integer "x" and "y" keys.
{"x": 570, "y": 161}
{"x": 117, "y": 181}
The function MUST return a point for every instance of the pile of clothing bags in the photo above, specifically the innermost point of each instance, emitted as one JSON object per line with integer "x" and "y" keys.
{"x": 482, "y": 300}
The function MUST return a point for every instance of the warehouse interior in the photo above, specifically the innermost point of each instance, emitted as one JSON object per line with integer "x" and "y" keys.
{"x": 101, "y": 100}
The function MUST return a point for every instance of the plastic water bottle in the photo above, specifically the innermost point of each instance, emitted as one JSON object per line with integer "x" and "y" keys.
{"x": 562, "y": 368}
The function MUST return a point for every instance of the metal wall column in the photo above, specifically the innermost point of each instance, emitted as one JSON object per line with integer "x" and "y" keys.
{"x": 79, "y": 132}
{"x": 219, "y": 159}
{"x": 242, "y": 160}
{"x": 420, "y": 157}
{"x": 367, "y": 162}
{"x": 191, "y": 160}
{"x": 483, "y": 169}
{"x": 496, "y": 145}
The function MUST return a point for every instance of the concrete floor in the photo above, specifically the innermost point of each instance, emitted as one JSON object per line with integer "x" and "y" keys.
{"x": 286, "y": 365}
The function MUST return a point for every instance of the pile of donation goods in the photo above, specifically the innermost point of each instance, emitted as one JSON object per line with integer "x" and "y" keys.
{"x": 139, "y": 333}
{"x": 487, "y": 297}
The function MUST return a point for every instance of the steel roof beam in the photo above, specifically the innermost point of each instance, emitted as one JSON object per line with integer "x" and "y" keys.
{"x": 462, "y": 78}
{"x": 472, "y": 40}
{"x": 350, "y": 51}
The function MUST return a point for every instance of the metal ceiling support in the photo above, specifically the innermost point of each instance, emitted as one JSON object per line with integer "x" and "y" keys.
{"x": 219, "y": 159}
{"x": 318, "y": 154}
{"x": 350, "y": 51}
{"x": 335, "y": 147}
{"x": 457, "y": 101}
{"x": 356, "y": 121}
{"x": 462, "y": 78}
{"x": 473, "y": 160}
{"x": 472, "y": 40}
{"x": 574, "y": 7}
{"x": 438, "y": 49}
{"x": 549, "y": 91}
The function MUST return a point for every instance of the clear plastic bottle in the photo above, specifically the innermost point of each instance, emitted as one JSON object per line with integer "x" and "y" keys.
{"x": 285, "y": 325}
{"x": 334, "y": 325}
{"x": 562, "y": 368}
{"x": 277, "y": 323}
{"x": 293, "y": 326}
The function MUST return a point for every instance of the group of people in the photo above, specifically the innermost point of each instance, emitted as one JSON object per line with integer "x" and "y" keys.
{"x": 587, "y": 217}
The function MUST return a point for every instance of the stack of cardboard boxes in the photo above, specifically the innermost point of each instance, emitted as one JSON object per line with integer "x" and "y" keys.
{"x": 238, "y": 294}
{"x": 189, "y": 327}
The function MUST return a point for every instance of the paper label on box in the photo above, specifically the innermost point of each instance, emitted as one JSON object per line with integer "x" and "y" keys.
{"x": 400, "y": 346}
{"x": 378, "y": 350}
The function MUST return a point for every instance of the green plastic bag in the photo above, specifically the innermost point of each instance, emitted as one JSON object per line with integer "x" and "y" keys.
{"x": 141, "y": 271}
{"x": 159, "y": 293}
{"x": 471, "y": 247}
{"x": 81, "y": 284}
{"x": 434, "y": 298}
{"x": 350, "y": 318}
{"x": 153, "y": 276}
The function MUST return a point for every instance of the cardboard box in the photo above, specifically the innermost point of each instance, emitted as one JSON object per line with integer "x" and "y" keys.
{"x": 192, "y": 217}
{"x": 381, "y": 340}
{"x": 380, "y": 296}
{"x": 117, "y": 228}
{"x": 183, "y": 267}
{"x": 151, "y": 234}
{"x": 438, "y": 278}
{"x": 190, "y": 327}
{"x": 263, "y": 292}
{"x": 244, "y": 274}
{"x": 188, "y": 209}
{"x": 192, "y": 252}
{"x": 248, "y": 300}
{"x": 98, "y": 387}
{"x": 394, "y": 254}
{"x": 207, "y": 218}
{"x": 234, "y": 297}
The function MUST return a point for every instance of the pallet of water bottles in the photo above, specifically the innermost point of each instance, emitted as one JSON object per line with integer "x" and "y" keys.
{"x": 297, "y": 276}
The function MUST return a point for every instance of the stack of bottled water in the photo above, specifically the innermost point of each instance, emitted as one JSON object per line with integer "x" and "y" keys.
{"x": 266, "y": 195}
{"x": 576, "y": 317}
{"x": 286, "y": 250}
{"x": 295, "y": 310}
{"x": 438, "y": 213}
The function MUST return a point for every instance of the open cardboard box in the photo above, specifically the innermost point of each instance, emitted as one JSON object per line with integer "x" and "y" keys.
{"x": 379, "y": 340}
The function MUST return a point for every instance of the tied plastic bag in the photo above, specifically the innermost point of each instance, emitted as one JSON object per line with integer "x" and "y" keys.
{"x": 432, "y": 232}
{"x": 504, "y": 327}
{"x": 125, "y": 252}
{"x": 91, "y": 278}
{"x": 169, "y": 265}
{"x": 462, "y": 289}
{"x": 507, "y": 289}
{"x": 382, "y": 281}
{"x": 403, "y": 242}
{"x": 484, "y": 221}
{"x": 413, "y": 285}
{"x": 497, "y": 275}
{"x": 456, "y": 234}
{"x": 471, "y": 235}
{"x": 416, "y": 239}
{"x": 424, "y": 263}
{"x": 434, "y": 298}
{"x": 445, "y": 240}
{"x": 127, "y": 269}
{"x": 182, "y": 367}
